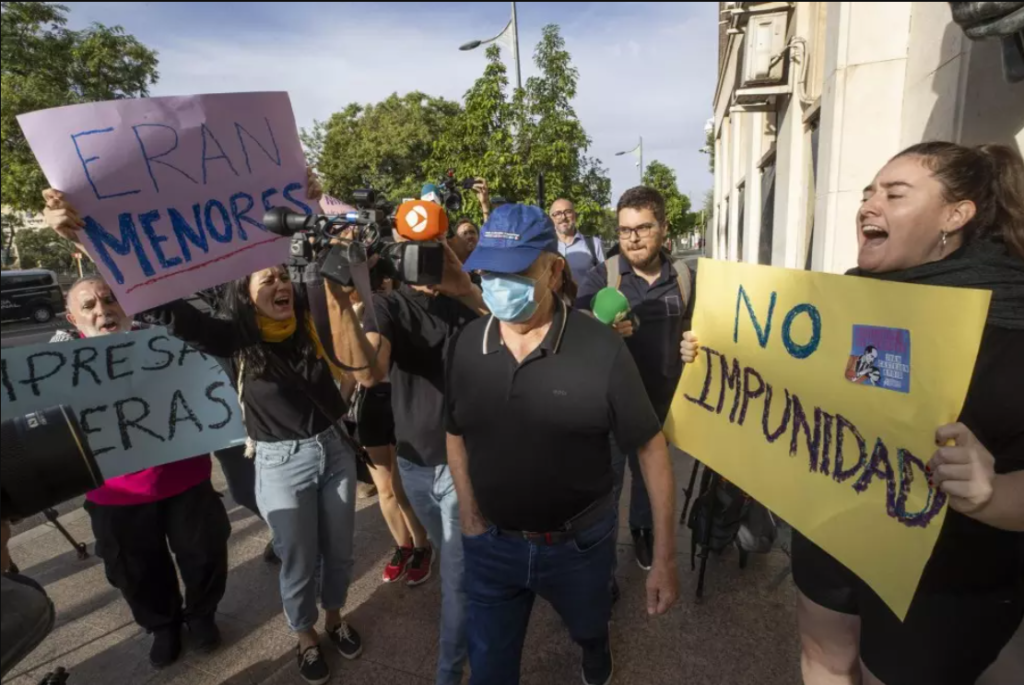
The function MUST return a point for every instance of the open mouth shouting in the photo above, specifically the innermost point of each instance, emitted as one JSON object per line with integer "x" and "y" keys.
{"x": 874, "y": 235}
{"x": 108, "y": 326}
{"x": 283, "y": 302}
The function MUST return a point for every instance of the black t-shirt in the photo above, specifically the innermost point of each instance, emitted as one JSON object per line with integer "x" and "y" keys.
{"x": 537, "y": 433}
{"x": 663, "y": 316}
{"x": 278, "y": 405}
{"x": 971, "y": 556}
{"x": 418, "y": 327}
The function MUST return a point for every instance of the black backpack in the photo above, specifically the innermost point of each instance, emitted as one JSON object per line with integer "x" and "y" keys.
{"x": 733, "y": 517}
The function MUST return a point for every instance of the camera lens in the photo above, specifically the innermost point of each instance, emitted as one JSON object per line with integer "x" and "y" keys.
{"x": 46, "y": 460}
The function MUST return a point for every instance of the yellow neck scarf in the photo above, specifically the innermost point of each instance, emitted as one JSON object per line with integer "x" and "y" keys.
{"x": 274, "y": 331}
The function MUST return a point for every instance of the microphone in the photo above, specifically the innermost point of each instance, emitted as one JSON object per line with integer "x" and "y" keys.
{"x": 421, "y": 220}
{"x": 609, "y": 306}
{"x": 285, "y": 223}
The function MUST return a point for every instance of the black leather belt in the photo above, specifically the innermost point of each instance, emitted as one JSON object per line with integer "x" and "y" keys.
{"x": 588, "y": 518}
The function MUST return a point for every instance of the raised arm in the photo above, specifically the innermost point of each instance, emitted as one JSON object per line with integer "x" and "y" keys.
{"x": 203, "y": 331}
{"x": 369, "y": 353}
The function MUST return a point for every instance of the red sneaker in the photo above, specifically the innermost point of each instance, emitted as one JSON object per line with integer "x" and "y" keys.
{"x": 421, "y": 566}
{"x": 395, "y": 570}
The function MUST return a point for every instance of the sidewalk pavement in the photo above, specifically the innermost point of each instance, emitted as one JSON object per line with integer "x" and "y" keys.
{"x": 743, "y": 632}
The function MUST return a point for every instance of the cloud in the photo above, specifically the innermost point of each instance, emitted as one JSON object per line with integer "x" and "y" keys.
{"x": 645, "y": 69}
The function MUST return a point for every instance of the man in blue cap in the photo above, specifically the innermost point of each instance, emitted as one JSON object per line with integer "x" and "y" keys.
{"x": 533, "y": 394}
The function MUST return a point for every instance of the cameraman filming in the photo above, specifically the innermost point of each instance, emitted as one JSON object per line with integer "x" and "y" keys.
{"x": 406, "y": 333}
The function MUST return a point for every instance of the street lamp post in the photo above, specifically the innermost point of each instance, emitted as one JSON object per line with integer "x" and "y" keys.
{"x": 509, "y": 37}
{"x": 639, "y": 152}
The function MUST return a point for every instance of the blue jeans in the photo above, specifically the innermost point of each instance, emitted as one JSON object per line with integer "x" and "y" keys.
{"x": 431, "y": 492}
{"x": 306, "y": 492}
{"x": 641, "y": 516}
{"x": 504, "y": 575}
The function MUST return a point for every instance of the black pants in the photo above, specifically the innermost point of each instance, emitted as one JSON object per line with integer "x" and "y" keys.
{"x": 133, "y": 543}
{"x": 240, "y": 473}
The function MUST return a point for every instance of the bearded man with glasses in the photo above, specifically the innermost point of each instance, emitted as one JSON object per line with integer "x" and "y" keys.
{"x": 660, "y": 294}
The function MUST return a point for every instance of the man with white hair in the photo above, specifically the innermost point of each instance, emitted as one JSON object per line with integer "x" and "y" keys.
{"x": 137, "y": 516}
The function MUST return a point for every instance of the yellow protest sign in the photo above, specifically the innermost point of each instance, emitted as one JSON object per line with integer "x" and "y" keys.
{"x": 819, "y": 395}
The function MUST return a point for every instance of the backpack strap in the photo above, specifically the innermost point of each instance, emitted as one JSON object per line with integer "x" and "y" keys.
{"x": 614, "y": 277}
{"x": 685, "y": 281}
{"x": 588, "y": 240}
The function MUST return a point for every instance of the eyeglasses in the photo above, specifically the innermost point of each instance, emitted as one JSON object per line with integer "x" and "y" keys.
{"x": 564, "y": 214}
{"x": 640, "y": 231}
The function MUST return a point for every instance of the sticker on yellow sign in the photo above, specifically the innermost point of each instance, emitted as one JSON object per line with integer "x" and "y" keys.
{"x": 820, "y": 395}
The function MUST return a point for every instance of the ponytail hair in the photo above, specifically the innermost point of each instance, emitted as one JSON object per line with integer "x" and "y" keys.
{"x": 990, "y": 176}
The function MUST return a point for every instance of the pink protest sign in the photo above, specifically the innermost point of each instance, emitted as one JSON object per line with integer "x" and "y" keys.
{"x": 332, "y": 206}
{"x": 173, "y": 190}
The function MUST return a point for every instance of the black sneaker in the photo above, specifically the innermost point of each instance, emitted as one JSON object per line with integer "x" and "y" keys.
{"x": 269, "y": 555}
{"x": 643, "y": 545}
{"x": 166, "y": 647}
{"x": 312, "y": 667}
{"x": 598, "y": 666}
{"x": 205, "y": 634}
{"x": 346, "y": 640}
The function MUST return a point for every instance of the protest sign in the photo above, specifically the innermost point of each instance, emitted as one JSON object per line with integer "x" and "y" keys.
{"x": 820, "y": 396}
{"x": 143, "y": 399}
{"x": 173, "y": 190}
{"x": 332, "y": 206}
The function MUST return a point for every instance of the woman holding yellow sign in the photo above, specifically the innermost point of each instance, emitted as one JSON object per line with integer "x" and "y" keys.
{"x": 939, "y": 214}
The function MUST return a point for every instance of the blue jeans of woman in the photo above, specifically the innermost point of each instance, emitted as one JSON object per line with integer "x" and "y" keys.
{"x": 306, "y": 491}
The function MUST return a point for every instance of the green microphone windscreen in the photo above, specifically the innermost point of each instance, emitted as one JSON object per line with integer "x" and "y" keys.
{"x": 609, "y": 306}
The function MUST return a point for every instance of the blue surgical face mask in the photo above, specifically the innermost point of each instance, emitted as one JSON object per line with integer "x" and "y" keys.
{"x": 510, "y": 298}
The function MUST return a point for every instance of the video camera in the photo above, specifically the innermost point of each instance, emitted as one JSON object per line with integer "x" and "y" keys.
{"x": 338, "y": 244}
{"x": 451, "y": 197}
{"x": 46, "y": 461}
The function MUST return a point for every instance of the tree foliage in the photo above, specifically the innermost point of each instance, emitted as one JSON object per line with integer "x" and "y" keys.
{"x": 386, "y": 146}
{"x": 505, "y": 137}
{"x": 41, "y": 248}
{"x": 9, "y": 225}
{"x": 44, "y": 64}
{"x": 709, "y": 148}
{"x": 677, "y": 205}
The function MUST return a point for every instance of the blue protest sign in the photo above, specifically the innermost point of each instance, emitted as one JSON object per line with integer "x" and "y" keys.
{"x": 143, "y": 399}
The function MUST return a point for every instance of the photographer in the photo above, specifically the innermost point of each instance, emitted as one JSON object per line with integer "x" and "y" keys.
{"x": 305, "y": 461}
{"x": 137, "y": 517}
{"x": 405, "y": 339}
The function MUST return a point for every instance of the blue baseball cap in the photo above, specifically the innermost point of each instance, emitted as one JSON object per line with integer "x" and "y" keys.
{"x": 512, "y": 240}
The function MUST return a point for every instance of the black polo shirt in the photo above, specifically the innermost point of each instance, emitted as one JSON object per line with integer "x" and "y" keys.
{"x": 537, "y": 433}
{"x": 663, "y": 316}
{"x": 419, "y": 328}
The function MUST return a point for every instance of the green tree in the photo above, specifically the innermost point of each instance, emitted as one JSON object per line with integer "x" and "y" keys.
{"x": 41, "y": 248}
{"x": 709, "y": 149}
{"x": 313, "y": 141}
{"x": 9, "y": 225}
{"x": 553, "y": 140}
{"x": 44, "y": 64}
{"x": 510, "y": 139}
{"x": 384, "y": 146}
{"x": 677, "y": 205}
{"x": 478, "y": 142}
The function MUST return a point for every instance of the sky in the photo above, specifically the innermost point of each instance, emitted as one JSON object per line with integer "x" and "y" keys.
{"x": 646, "y": 69}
